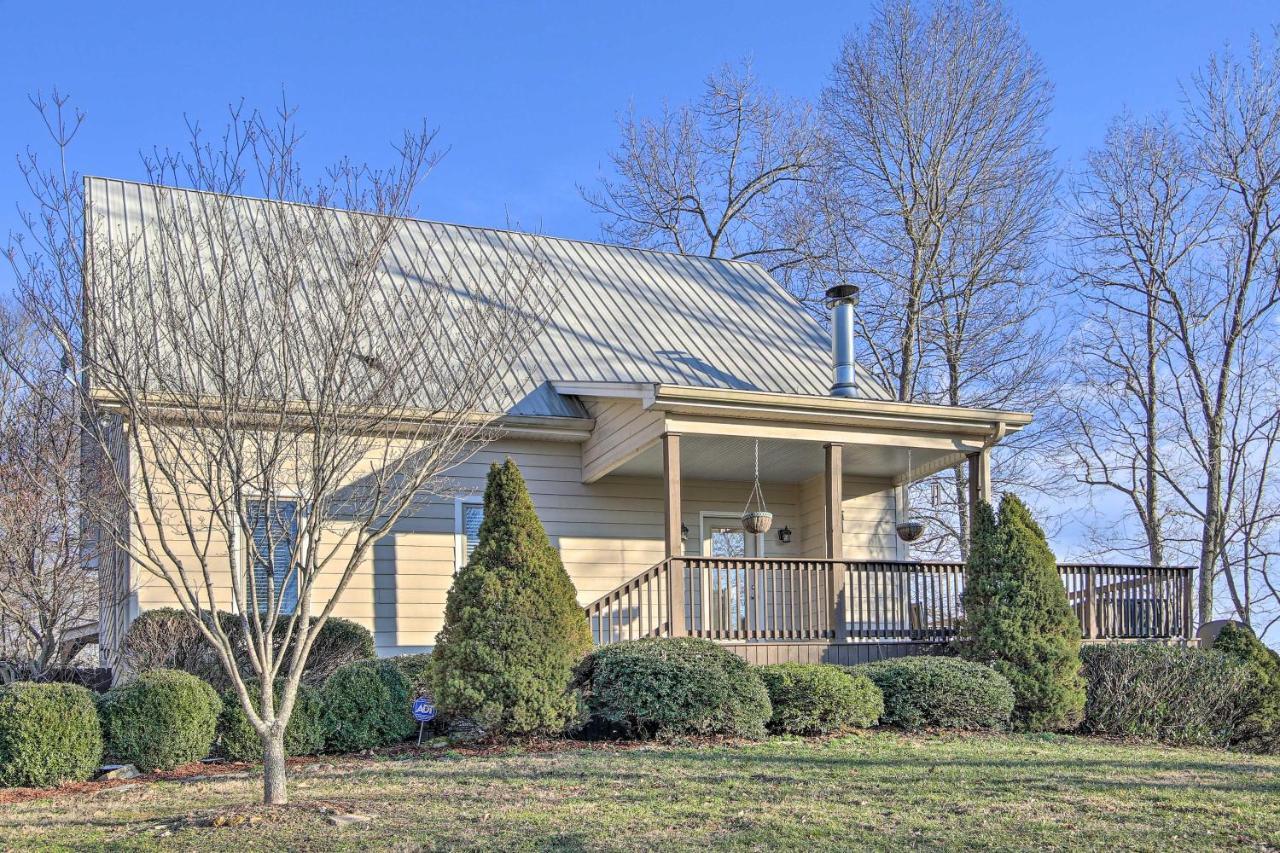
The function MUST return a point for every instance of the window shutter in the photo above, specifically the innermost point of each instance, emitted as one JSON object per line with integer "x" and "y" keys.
{"x": 275, "y": 534}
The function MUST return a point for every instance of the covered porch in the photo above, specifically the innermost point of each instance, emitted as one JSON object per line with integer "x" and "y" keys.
{"x": 831, "y": 580}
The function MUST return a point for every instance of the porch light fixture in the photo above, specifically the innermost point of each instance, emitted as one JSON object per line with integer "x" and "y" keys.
{"x": 684, "y": 532}
{"x": 784, "y": 535}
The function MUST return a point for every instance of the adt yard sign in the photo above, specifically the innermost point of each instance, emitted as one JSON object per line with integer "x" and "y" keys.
{"x": 424, "y": 710}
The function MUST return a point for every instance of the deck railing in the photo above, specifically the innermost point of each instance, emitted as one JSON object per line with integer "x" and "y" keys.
{"x": 767, "y": 599}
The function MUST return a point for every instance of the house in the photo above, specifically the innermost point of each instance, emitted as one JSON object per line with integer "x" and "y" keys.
{"x": 658, "y": 391}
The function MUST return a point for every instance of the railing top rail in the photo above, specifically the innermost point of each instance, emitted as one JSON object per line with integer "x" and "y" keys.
{"x": 640, "y": 578}
{"x": 1130, "y": 567}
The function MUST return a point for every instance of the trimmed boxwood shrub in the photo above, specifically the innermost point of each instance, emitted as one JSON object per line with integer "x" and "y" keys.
{"x": 1171, "y": 694}
{"x": 1259, "y": 727}
{"x": 337, "y": 644}
{"x": 665, "y": 687}
{"x": 940, "y": 692}
{"x": 366, "y": 706}
{"x": 167, "y": 638}
{"x": 49, "y": 734}
{"x": 304, "y": 735}
{"x": 813, "y": 699}
{"x": 416, "y": 669}
{"x": 161, "y": 719}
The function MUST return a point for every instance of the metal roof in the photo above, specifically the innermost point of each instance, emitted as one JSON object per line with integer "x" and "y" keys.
{"x": 620, "y": 315}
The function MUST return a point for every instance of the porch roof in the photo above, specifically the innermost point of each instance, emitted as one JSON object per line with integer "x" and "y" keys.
{"x": 883, "y": 439}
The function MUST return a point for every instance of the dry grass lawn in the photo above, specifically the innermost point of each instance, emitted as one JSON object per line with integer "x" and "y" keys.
{"x": 874, "y": 791}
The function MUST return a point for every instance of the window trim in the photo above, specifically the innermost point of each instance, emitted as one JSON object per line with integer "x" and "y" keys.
{"x": 459, "y": 528}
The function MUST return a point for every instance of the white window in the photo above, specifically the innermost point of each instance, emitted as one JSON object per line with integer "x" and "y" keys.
{"x": 468, "y": 516}
{"x": 273, "y": 533}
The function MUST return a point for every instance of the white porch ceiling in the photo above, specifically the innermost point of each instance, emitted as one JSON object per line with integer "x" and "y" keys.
{"x": 709, "y": 457}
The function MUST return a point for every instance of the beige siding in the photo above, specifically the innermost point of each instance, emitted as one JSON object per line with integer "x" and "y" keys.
{"x": 623, "y": 429}
{"x": 869, "y": 514}
{"x": 607, "y": 532}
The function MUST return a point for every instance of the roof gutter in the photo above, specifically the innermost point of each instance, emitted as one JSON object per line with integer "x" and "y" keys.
{"x": 989, "y": 424}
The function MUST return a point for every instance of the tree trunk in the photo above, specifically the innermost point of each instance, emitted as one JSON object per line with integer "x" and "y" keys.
{"x": 274, "y": 785}
{"x": 1210, "y": 539}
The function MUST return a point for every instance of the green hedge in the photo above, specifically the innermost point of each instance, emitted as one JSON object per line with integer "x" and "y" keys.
{"x": 812, "y": 699}
{"x": 416, "y": 670}
{"x": 49, "y": 734}
{"x": 161, "y": 719}
{"x": 1171, "y": 694}
{"x": 940, "y": 692}
{"x": 304, "y": 735}
{"x": 366, "y": 706}
{"x": 671, "y": 686}
{"x": 1259, "y": 727}
{"x": 337, "y": 644}
{"x": 167, "y": 638}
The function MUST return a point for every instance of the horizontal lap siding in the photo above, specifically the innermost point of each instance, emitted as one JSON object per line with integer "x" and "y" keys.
{"x": 869, "y": 514}
{"x": 607, "y": 532}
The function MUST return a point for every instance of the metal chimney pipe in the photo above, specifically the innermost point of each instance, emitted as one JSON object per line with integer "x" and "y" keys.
{"x": 842, "y": 300}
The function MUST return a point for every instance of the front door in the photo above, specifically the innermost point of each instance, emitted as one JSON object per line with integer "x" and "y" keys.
{"x": 726, "y": 592}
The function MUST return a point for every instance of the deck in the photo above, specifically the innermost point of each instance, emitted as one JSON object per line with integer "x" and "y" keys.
{"x": 846, "y": 611}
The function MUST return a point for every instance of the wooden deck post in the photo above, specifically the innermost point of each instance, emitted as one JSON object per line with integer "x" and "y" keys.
{"x": 1090, "y": 604}
{"x": 671, "y": 532}
{"x": 835, "y": 536}
{"x": 1188, "y": 595}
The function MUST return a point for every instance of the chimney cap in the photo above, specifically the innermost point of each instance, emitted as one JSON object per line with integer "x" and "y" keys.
{"x": 841, "y": 292}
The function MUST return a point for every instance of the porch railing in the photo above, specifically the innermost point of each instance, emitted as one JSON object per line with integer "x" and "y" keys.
{"x": 766, "y": 599}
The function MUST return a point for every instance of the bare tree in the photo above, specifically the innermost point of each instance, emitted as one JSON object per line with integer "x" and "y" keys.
{"x": 1139, "y": 220}
{"x": 1177, "y": 362}
{"x": 48, "y": 579}
{"x": 285, "y": 377}
{"x": 721, "y": 177}
{"x": 1228, "y": 307}
{"x": 936, "y": 195}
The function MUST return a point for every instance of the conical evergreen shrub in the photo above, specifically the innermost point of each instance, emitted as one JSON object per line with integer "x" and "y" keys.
{"x": 1259, "y": 726}
{"x": 1018, "y": 619}
{"x": 513, "y": 629}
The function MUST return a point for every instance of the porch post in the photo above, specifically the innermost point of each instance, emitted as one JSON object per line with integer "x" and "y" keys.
{"x": 835, "y": 537}
{"x": 979, "y": 482}
{"x": 835, "y": 501}
{"x": 671, "y": 532}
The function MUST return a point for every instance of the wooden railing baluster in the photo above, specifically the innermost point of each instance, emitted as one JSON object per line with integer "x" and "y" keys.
{"x": 775, "y": 600}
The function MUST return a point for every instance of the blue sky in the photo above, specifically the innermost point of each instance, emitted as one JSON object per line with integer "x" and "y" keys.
{"x": 525, "y": 95}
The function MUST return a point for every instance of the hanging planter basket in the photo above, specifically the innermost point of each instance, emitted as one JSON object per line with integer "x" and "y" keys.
{"x": 909, "y": 531}
{"x": 757, "y": 520}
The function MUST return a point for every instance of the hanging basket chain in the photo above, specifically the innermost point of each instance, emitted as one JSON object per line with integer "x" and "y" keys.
{"x": 757, "y": 493}
{"x": 759, "y": 519}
